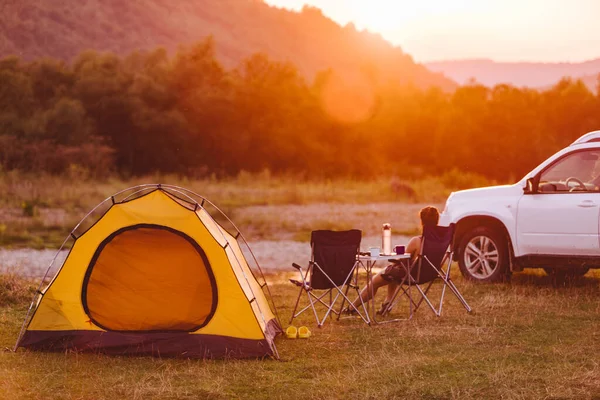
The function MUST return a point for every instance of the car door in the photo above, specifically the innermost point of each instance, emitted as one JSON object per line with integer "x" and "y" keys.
{"x": 561, "y": 215}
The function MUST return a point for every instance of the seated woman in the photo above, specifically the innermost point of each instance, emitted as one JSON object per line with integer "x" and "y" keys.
{"x": 393, "y": 274}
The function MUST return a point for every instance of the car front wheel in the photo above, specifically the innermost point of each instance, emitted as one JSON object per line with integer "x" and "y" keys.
{"x": 483, "y": 255}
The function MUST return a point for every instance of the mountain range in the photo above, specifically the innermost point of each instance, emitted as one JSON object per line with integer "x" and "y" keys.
{"x": 311, "y": 41}
{"x": 530, "y": 74}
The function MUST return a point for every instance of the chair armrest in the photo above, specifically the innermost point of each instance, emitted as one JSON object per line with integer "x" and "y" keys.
{"x": 305, "y": 286}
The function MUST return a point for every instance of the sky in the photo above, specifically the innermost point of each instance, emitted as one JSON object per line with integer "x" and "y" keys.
{"x": 502, "y": 30}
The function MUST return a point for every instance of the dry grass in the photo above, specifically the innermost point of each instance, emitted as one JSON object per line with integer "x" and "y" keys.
{"x": 40, "y": 211}
{"x": 295, "y": 222}
{"x": 15, "y": 289}
{"x": 243, "y": 190}
{"x": 524, "y": 340}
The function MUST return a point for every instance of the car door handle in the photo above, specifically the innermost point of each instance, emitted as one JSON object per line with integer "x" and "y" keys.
{"x": 587, "y": 204}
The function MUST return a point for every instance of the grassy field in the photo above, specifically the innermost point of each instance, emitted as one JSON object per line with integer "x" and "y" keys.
{"x": 40, "y": 211}
{"x": 524, "y": 340}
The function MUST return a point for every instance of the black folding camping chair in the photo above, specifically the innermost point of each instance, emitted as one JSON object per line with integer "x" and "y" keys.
{"x": 427, "y": 267}
{"x": 332, "y": 271}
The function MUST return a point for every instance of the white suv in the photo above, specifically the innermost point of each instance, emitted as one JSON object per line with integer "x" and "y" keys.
{"x": 549, "y": 219}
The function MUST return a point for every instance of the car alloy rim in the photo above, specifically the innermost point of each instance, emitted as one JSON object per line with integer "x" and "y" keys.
{"x": 481, "y": 257}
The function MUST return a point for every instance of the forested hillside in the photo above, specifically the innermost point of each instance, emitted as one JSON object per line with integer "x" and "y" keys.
{"x": 530, "y": 74}
{"x": 188, "y": 114}
{"x": 62, "y": 29}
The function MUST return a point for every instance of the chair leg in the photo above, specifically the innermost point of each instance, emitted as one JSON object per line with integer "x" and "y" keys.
{"x": 365, "y": 316}
{"x": 340, "y": 292}
{"x": 296, "y": 306}
{"x": 435, "y": 311}
{"x": 458, "y": 295}
{"x": 343, "y": 302}
{"x": 311, "y": 304}
{"x": 442, "y": 297}
{"x": 394, "y": 300}
{"x": 315, "y": 300}
{"x": 423, "y": 297}
{"x": 354, "y": 282}
{"x": 408, "y": 281}
{"x": 364, "y": 307}
{"x": 456, "y": 292}
{"x": 330, "y": 295}
{"x": 445, "y": 276}
{"x": 309, "y": 295}
{"x": 406, "y": 292}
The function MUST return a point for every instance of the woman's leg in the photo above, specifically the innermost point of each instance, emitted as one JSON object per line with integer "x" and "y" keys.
{"x": 365, "y": 294}
{"x": 392, "y": 287}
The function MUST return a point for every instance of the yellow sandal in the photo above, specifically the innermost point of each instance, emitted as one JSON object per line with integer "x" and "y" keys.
{"x": 291, "y": 332}
{"x": 304, "y": 332}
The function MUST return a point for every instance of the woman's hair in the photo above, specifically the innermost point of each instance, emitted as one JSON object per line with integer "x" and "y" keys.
{"x": 429, "y": 216}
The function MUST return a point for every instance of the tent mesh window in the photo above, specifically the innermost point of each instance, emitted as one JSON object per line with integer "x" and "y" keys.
{"x": 149, "y": 278}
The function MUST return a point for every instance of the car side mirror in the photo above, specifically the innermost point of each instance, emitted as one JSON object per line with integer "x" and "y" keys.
{"x": 530, "y": 186}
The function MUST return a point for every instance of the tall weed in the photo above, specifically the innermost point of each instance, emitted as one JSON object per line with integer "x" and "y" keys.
{"x": 15, "y": 290}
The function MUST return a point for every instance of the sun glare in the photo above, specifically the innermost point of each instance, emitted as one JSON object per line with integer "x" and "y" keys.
{"x": 380, "y": 16}
{"x": 504, "y": 30}
{"x": 388, "y": 16}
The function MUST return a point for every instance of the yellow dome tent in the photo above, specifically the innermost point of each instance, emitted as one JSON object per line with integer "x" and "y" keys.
{"x": 155, "y": 274}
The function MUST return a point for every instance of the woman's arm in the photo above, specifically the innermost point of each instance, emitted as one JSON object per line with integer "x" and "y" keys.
{"x": 413, "y": 247}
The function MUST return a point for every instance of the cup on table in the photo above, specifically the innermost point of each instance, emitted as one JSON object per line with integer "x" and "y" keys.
{"x": 374, "y": 251}
{"x": 399, "y": 249}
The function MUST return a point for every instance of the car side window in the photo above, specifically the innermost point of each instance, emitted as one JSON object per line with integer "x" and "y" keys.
{"x": 575, "y": 173}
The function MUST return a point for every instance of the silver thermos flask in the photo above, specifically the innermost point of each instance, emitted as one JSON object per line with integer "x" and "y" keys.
{"x": 386, "y": 239}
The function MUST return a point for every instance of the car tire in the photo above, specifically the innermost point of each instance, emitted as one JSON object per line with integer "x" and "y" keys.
{"x": 483, "y": 255}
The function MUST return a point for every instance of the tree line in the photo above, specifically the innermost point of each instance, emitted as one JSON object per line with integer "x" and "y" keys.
{"x": 151, "y": 112}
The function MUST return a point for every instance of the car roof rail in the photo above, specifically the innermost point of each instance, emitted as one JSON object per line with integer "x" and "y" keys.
{"x": 588, "y": 138}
